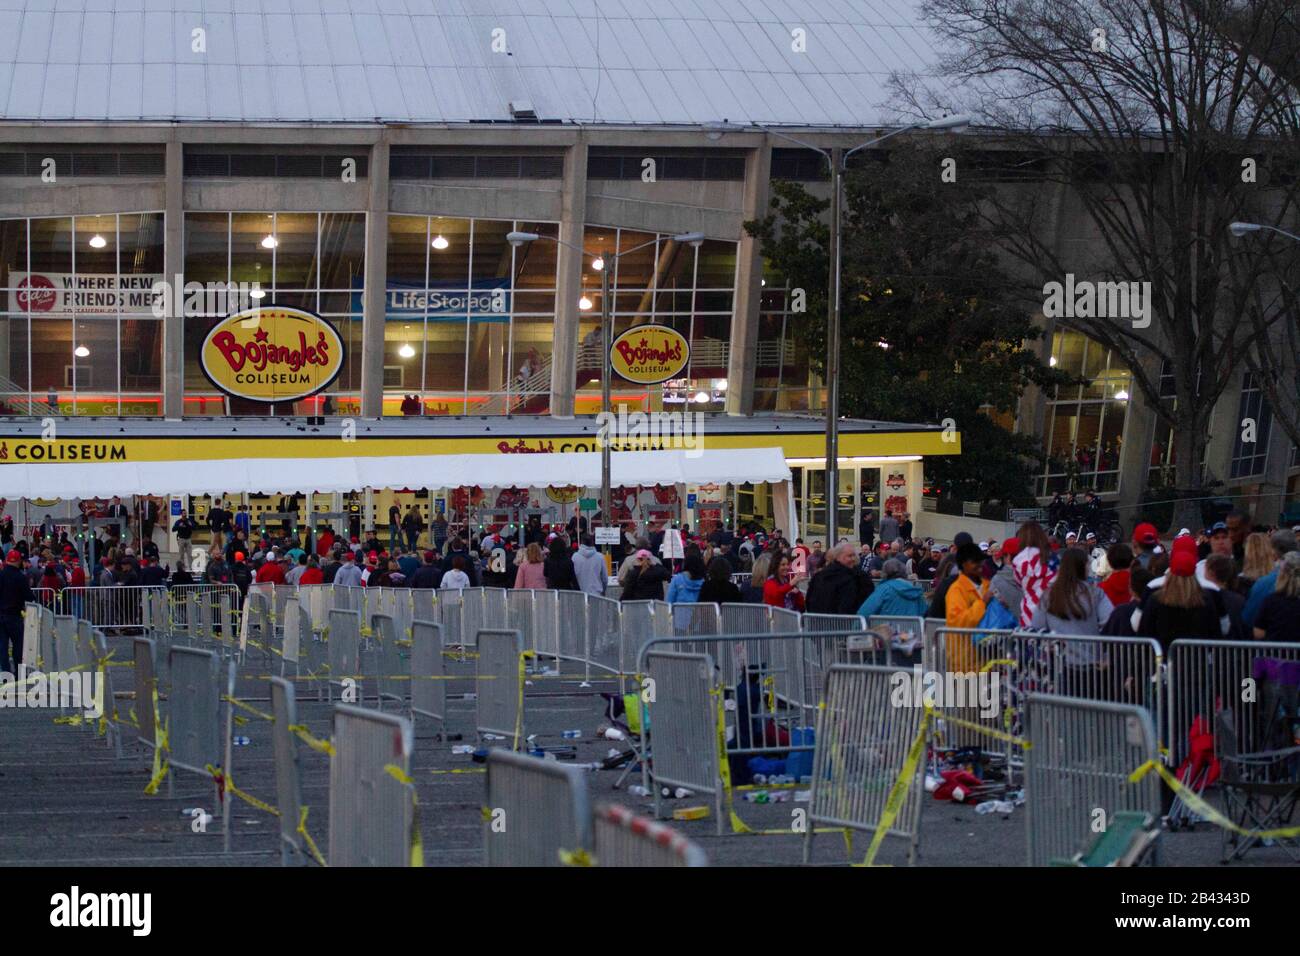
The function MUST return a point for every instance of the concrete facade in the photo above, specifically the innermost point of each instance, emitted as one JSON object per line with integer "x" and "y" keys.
{"x": 718, "y": 208}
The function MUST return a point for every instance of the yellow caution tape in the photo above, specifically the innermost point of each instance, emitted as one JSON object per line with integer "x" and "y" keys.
{"x": 462, "y": 770}
{"x": 320, "y": 746}
{"x": 980, "y": 728}
{"x": 417, "y": 843}
{"x": 311, "y": 844}
{"x": 524, "y": 657}
{"x": 228, "y": 782}
{"x": 576, "y": 858}
{"x": 160, "y": 764}
{"x": 73, "y": 721}
{"x": 1203, "y": 809}
{"x": 898, "y": 793}
{"x": 248, "y": 707}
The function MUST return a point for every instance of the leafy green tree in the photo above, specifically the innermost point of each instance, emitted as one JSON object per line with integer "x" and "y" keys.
{"x": 932, "y": 329}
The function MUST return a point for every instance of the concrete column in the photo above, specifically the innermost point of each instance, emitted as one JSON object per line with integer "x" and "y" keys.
{"x": 372, "y": 330}
{"x": 565, "y": 341}
{"x": 173, "y": 263}
{"x": 749, "y": 277}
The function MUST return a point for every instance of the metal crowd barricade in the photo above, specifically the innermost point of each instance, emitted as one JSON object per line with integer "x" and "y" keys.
{"x": 500, "y": 703}
{"x": 194, "y": 713}
{"x": 571, "y": 627}
{"x": 190, "y": 601}
{"x": 606, "y": 649}
{"x": 451, "y": 615}
{"x": 744, "y": 618}
{"x": 226, "y": 620}
{"x": 519, "y": 614}
{"x": 343, "y": 649}
{"x": 623, "y": 838}
{"x": 643, "y": 620}
{"x": 110, "y": 718}
{"x": 115, "y": 607}
{"x": 66, "y": 655}
{"x": 146, "y": 687}
{"x": 865, "y": 747}
{"x": 180, "y": 595}
{"x": 1083, "y": 754}
{"x": 49, "y": 598}
{"x": 696, "y": 619}
{"x": 372, "y": 808}
{"x": 291, "y": 640}
{"x": 537, "y": 812}
{"x": 389, "y": 659}
{"x": 33, "y": 650}
{"x": 257, "y": 628}
{"x": 546, "y": 625}
{"x": 683, "y": 710}
{"x": 428, "y": 688}
{"x": 86, "y": 657}
{"x": 284, "y": 709}
{"x": 1208, "y": 676}
{"x": 896, "y": 639}
{"x": 424, "y": 605}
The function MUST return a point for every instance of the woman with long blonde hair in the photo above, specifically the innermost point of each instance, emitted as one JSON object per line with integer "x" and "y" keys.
{"x": 532, "y": 571}
{"x": 752, "y": 591}
{"x": 1258, "y": 562}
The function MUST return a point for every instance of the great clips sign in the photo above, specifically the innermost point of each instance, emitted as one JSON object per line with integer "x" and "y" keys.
{"x": 272, "y": 354}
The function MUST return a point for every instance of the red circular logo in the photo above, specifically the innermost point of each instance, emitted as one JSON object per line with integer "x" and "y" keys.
{"x": 36, "y": 293}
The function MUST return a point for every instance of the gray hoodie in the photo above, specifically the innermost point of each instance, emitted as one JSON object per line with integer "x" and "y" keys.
{"x": 589, "y": 568}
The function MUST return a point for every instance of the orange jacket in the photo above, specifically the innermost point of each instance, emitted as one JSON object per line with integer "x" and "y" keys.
{"x": 964, "y": 602}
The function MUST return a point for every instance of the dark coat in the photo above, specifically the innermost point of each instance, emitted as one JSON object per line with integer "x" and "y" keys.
{"x": 836, "y": 589}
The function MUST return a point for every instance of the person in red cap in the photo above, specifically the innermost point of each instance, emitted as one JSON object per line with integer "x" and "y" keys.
{"x": 1145, "y": 541}
{"x": 15, "y": 595}
{"x": 1181, "y": 607}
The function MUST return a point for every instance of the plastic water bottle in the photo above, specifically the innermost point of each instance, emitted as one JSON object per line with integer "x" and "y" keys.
{"x": 571, "y": 734}
{"x": 637, "y": 790}
{"x": 613, "y": 733}
{"x": 241, "y": 741}
{"x": 757, "y": 796}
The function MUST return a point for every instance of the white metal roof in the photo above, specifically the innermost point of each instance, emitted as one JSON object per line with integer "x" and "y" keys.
{"x": 432, "y": 61}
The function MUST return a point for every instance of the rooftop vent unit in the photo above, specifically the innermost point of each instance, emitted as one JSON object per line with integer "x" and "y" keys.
{"x": 522, "y": 111}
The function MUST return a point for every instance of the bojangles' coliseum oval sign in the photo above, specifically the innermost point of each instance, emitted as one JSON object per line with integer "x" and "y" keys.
{"x": 648, "y": 354}
{"x": 274, "y": 353}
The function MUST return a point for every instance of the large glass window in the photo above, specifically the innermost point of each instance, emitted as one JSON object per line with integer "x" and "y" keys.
{"x": 307, "y": 260}
{"x": 657, "y": 280}
{"x": 469, "y": 319}
{"x": 1085, "y": 422}
{"x": 78, "y": 333}
{"x": 782, "y": 375}
{"x": 1254, "y": 422}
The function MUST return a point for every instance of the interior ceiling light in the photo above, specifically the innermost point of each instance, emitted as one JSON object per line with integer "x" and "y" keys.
{"x": 97, "y": 241}
{"x": 270, "y": 242}
{"x": 440, "y": 242}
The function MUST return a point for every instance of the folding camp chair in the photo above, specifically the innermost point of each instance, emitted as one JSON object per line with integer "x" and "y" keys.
{"x": 1260, "y": 790}
{"x": 1130, "y": 840}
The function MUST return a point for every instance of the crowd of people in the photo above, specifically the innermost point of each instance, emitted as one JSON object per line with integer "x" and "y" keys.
{"x": 1231, "y": 581}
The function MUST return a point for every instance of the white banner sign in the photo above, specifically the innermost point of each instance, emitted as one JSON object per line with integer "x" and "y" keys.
{"x": 63, "y": 295}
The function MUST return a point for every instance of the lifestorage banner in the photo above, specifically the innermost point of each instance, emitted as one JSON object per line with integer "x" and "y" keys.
{"x": 63, "y": 295}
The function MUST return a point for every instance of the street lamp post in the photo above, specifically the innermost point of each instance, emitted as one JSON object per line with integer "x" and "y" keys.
{"x": 838, "y": 160}
{"x": 1240, "y": 229}
{"x": 517, "y": 239}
